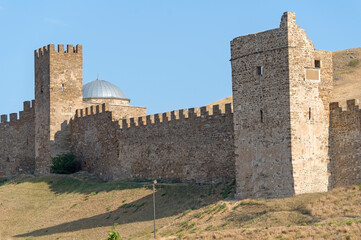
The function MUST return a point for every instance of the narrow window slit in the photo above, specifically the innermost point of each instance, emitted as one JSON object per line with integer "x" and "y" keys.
{"x": 317, "y": 63}
{"x": 261, "y": 116}
{"x": 260, "y": 70}
{"x": 309, "y": 113}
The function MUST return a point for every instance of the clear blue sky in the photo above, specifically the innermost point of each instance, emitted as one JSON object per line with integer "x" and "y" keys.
{"x": 165, "y": 55}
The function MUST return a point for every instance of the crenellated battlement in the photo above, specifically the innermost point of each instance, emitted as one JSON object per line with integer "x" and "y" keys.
{"x": 191, "y": 113}
{"x": 352, "y": 105}
{"x": 180, "y": 143}
{"x": 345, "y": 132}
{"x": 92, "y": 110}
{"x": 28, "y": 109}
{"x": 60, "y": 49}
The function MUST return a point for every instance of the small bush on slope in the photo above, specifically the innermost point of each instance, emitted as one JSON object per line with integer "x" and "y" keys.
{"x": 65, "y": 164}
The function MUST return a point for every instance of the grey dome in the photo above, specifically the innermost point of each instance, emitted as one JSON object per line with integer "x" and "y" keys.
{"x": 102, "y": 89}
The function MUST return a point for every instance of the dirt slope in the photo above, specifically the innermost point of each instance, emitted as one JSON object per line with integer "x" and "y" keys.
{"x": 347, "y": 74}
{"x": 82, "y": 207}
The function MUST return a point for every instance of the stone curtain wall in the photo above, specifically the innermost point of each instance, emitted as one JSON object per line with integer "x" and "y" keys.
{"x": 345, "y": 144}
{"x": 124, "y": 112}
{"x": 94, "y": 141}
{"x": 17, "y": 142}
{"x": 110, "y": 101}
{"x": 119, "y": 107}
{"x": 194, "y": 145}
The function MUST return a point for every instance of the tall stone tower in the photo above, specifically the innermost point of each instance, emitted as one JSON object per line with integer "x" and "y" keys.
{"x": 58, "y": 93}
{"x": 281, "y": 92}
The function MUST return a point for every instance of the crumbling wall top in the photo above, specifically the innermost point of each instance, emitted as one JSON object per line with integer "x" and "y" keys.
{"x": 288, "y": 19}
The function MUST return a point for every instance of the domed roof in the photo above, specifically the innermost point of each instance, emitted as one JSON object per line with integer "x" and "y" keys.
{"x": 102, "y": 89}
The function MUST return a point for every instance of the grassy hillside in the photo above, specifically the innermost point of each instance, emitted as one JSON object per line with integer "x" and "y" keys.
{"x": 223, "y": 101}
{"x": 82, "y": 207}
{"x": 347, "y": 74}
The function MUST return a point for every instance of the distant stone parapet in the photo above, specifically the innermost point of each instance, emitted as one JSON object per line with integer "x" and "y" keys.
{"x": 28, "y": 110}
{"x": 92, "y": 110}
{"x": 352, "y": 105}
{"x": 191, "y": 113}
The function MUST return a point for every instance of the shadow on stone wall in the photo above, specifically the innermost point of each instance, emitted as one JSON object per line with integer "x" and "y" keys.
{"x": 330, "y": 152}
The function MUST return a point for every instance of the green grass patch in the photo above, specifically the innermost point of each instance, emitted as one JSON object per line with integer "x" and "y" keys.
{"x": 4, "y": 181}
{"x": 353, "y": 63}
{"x": 227, "y": 189}
{"x": 209, "y": 227}
{"x": 127, "y": 205}
{"x": 185, "y": 213}
{"x": 249, "y": 203}
{"x": 137, "y": 207}
{"x": 198, "y": 215}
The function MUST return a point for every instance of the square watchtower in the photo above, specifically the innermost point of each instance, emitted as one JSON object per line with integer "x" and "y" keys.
{"x": 281, "y": 93}
{"x": 58, "y": 93}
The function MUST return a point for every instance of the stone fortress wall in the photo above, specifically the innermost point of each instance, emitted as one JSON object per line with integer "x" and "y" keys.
{"x": 120, "y": 108}
{"x": 345, "y": 144}
{"x": 17, "y": 142}
{"x": 190, "y": 145}
{"x": 279, "y": 138}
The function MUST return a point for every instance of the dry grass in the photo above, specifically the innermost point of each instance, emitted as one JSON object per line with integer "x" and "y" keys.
{"x": 347, "y": 74}
{"x": 82, "y": 207}
{"x": 222, "y": 101}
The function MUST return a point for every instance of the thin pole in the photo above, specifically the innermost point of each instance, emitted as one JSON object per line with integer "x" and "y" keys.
{"x": 155, "y": 182}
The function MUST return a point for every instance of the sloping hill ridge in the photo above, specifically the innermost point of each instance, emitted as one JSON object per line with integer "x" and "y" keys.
{"x": 346, "y": 74}
{"x": 80, "y": 206}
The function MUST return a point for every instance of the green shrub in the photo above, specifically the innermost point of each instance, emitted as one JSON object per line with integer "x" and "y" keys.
{"x": 3, "y": 181}
{"x": 65, "y": 164}
{"x": 113, "y": 235}
{"x": 354, "y": 62}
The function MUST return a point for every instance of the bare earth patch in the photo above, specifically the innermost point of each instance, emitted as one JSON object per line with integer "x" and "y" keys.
{"x": 347, "y": 74}
{"x": 82, "y": 207}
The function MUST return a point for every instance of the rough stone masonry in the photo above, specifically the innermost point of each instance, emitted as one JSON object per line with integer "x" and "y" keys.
{"x": 280, "y": 137}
